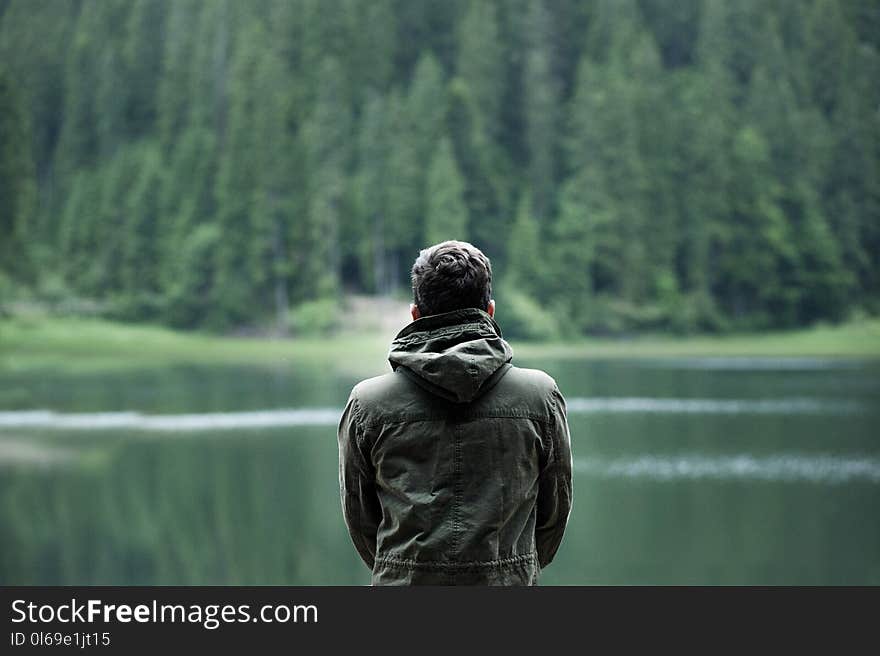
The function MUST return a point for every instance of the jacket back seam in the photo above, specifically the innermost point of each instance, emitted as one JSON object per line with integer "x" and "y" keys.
{"x": 441, "y": 564}
{"x": 409, "y": 419}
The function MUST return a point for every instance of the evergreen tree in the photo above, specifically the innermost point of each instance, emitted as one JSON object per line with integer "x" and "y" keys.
{"x": 327, "y": 142}
{"x": 850, "y": 186}
{"x": 139, "y": 275}
{"x": 236, "y": 295}
{"x": 177, "y": 70}
{"x": 829, "y": 46}
{"x": 371, "y": 195}
{"x": 78, "y": 240}
{"x": 480, "y": 66}
{"x": 405, "y": 169}
{"x": 373, "y": 52}
{"x": 34, "y": 42}
{"x": 143, "y": 63}
{"x": 728, "y": 45}
{"x": 701, "y": 133}
{"x": 110, "y": 102}
{"x": 603, "y": 153}
{"x": 541, "y": 108}
{"x": 625, "y": 163}
{"x": 78, "y": 143}
{"x": 573, "y": 239}
{"x": 446, "y": 215}
{"x": 475, "y": 125}
{"x": 418, "y": 122}
{"x": 189, "y": 294}
{"x": 17, "y": 181}
{"x": 525, "y": 248}
{"x": 756, "y": 255}
{"x": 211, "y": 59}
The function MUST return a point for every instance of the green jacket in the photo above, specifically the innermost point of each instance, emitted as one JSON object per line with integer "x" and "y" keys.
{"x": 456, "y": 467}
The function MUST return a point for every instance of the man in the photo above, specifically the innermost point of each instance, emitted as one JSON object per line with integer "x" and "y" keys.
{"x": 455, "y": 469}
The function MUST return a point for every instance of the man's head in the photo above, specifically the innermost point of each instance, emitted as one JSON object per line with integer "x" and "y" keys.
{"x": 451, "y": 275}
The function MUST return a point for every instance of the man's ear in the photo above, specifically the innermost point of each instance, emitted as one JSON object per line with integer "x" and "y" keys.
{"x": 490, "y": 310}
{"x": 414, "y": 311}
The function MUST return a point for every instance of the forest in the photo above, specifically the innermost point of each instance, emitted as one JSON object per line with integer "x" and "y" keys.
{"x": 628, "y": 165}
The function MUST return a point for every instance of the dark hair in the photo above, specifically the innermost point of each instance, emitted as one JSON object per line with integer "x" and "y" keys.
{"x": 451, "y": 275}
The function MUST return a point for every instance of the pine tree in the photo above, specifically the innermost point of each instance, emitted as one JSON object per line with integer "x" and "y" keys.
{"x": 111, "y": 102}
{"x": 541, "y": 108}
{"x": 485, "y": 170}
{"x": 187, "y": 196}
{"x": 17, "y": 181}
{"x": 143, "y": 63}
{"x": 728, "y": 46}
{"x": 211, "y": 63}
{"x": 603, "y": 153}
{"x": 34, "y": 38}
{"x": 475, "y": 125}
{"x": 707, "y": 165}
{"x": 797, "y": 139}
{"x": 426, "y": 106}
{"x": 525, "y": 262}
{"x": 850, "y": 185}
{"x": 78, "y": 143}
{"x": 139, "y": 275}
{"x": 613, "y": 27}
{"x": 446, "y": 215}
{"x": 189, "y": 295}
{"x": 177, "y": 71}
{"x": 417, "y": 122}
{"x": 371, "y": 184}
{"x": 405, "y": 169}
{"x": 480, "y": 66}
{"x": 829, "y": 46}
{"x": 757, "y": 256}
{"x": 327, "y": 142}
{"x": 575, "y": 239}
{"x": 237, "y": 297}
{"x": 270, "y": 244}
{"x": 372, "y": 54}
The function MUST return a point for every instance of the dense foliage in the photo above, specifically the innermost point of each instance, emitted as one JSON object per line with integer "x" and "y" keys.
{"x": 680, "y": 164}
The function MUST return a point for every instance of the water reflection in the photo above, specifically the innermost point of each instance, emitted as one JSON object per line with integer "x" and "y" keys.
{"x": 782, "y": 468}
{"x": 228, "y": 476}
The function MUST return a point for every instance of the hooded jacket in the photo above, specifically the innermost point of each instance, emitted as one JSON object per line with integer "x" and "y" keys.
{"x": 456, "y": 467}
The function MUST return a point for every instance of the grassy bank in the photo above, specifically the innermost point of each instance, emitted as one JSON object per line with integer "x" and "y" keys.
{"x": 96, "y": 344}
{"x": 44, "y": 342}
{"x": 858, "y": 339}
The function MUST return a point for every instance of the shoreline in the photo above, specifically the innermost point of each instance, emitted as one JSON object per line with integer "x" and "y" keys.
{"x": 30, "y": 343}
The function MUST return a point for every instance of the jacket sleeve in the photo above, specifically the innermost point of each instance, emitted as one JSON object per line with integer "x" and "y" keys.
{"x": 360, "y": 505}
{"x": 554, "y": 484}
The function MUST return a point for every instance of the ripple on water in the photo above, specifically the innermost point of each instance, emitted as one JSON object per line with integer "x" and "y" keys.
{"x": 792, "y": 467}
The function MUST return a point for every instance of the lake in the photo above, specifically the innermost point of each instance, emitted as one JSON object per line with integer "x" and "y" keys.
{"x": 687, "y": 471}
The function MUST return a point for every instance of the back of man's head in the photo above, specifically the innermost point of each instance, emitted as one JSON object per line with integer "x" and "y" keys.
{"x": 451, "y": 275}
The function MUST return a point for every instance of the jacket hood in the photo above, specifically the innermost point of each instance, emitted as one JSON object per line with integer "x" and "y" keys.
{"x": 456, "y": 355}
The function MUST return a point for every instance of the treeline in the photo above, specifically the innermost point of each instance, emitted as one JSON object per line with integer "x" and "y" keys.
{"x": 627, "y": 164}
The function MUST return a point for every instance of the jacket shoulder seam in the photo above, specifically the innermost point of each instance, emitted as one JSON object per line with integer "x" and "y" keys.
{"x": 360, "y": 426}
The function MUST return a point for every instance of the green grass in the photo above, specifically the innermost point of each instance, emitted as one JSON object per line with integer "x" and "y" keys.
{"x": 64, "y": 343}
{"x": 857, "y": 339}
{"x": 30, "y": 343}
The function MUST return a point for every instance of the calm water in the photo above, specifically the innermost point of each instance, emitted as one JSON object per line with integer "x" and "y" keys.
{"x": 686, "y": 471}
